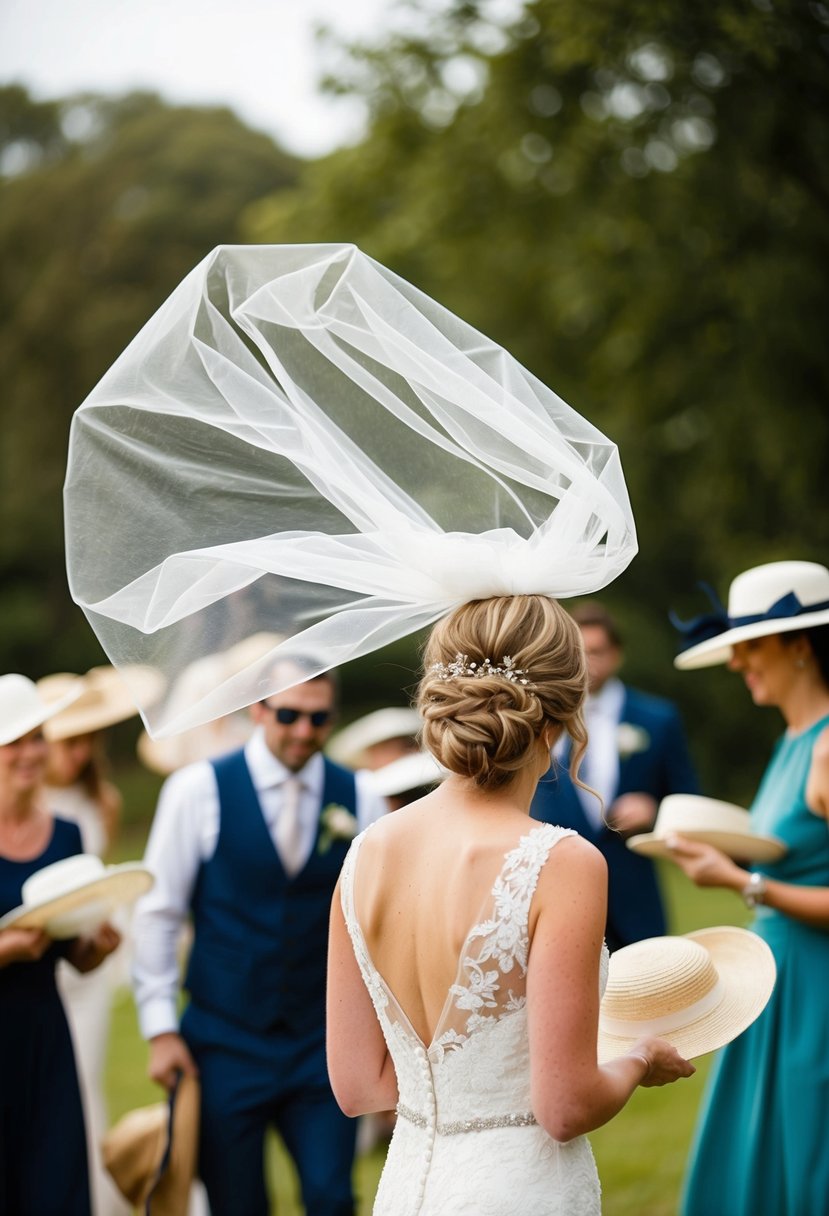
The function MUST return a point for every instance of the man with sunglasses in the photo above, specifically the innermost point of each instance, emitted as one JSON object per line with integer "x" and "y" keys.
{"x": 250, "y": 846}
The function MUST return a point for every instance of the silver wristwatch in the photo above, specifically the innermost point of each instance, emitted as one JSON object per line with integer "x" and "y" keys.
{"x": 754, "y": 892}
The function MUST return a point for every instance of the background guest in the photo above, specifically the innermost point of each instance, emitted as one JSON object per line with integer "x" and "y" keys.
{"x": 636, "y": 755}
{"x": 760, "y": 1148}
{"x": 77, "y": 788}
{"x": 252, "y": 846}
{"x": 43, "y": 1150}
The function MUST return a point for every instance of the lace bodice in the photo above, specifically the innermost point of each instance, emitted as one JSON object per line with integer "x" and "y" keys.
{"x": 472, "y": 1082}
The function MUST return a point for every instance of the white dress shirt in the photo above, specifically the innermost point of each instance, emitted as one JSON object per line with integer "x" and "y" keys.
{"x": 600, "y": 767}
{"x": 184, "y": 834}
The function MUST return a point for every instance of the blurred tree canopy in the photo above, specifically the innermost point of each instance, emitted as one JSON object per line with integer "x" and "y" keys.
{"x": 104, "y": 206}
{"x": 634, "y": 200}
{"x": 631, "y": 198}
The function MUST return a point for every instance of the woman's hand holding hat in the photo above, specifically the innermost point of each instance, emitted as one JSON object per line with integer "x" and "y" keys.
{"x": 705, "y": 865}
{"x": 87, "y": 953}
{"x": 22, "y": 945}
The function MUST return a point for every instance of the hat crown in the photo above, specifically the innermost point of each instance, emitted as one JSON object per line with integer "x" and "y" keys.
{"x": 18, "y": 698}
{"x": 656, "y": 978}
{"x": 756, "y": 590}
{"x": 61, "y": 877}
{"x": 692, "y": 812}
{"x": 21, "y": 707}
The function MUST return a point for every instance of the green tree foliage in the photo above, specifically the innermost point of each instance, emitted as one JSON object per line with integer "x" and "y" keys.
{"x": 105, "y": 205}
{"x": 633, "y": 199}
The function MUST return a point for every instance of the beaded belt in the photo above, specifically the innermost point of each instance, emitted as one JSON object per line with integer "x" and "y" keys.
{"x": 525, "y": 1119}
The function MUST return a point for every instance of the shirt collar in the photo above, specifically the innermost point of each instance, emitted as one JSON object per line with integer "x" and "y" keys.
{"x": 267, "y": 772}
{"x": 608, "y": 701}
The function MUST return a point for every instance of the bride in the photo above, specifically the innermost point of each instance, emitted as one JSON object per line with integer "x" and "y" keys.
{"x": 466, "y": 959}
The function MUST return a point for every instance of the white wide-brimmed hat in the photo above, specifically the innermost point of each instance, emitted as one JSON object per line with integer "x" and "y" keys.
{"x": 72, "y": 897}
{"x": 725, "y": 826}
{"x": 22, "y": 706}
{"x": 407, "y": 773}
{"x": 151, "y": 1153}
{"x": 698, "y": 991}
{"x": 348, "y": 745}
{"x": 106, "y": 698}
{"x": 776, "y": 598}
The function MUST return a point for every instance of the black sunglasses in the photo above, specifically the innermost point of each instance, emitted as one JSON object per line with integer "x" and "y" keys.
{"x": 287, "y": 717}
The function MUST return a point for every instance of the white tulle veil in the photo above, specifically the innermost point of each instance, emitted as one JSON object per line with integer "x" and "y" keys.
{"x": 300, "y": 444}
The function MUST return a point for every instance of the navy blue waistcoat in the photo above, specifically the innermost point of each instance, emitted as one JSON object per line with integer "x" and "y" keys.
{"x": 261, "y": 938}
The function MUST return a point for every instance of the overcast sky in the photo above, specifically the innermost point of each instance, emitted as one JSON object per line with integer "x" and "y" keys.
{"x": 256, "y": 55}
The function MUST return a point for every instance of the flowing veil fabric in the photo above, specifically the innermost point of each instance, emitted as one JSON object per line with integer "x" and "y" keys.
{"x": 300, "y": 442}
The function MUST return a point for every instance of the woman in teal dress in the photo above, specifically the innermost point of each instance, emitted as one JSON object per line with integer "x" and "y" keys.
{"x": 760, "y": 1147}
{"x": 43, "y": 1151}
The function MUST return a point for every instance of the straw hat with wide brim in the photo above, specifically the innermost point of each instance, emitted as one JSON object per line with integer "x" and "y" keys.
{"x": 71, "y": 897}
{"x": 151, "y": 1153}
{"x": 698, "y": 991}
{"x": 407, "y": 773}
{"x": 778, "y": 597}
{"x": 348, "y": 745}
{"x": 106, "y": 698}
{"x": 725, "y": 826}
{"x": 23, "y": 708}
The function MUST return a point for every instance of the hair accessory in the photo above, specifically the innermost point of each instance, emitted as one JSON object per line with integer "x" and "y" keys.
{"x": 299, "y": 441}
{"x": 461, "y": 666}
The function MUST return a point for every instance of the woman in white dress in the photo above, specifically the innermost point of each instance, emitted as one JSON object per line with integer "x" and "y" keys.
{"x": 466, "y": 953}
{"x": 77, "y": 789}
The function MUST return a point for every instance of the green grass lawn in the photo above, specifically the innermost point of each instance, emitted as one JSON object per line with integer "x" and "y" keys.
{"x": 640, "y": 1155}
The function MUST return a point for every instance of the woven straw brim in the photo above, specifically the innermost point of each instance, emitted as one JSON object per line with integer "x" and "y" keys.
{"x": 120, "y": 885}
{"x": 737, "y": 845}
{"x": 747, "y": 973}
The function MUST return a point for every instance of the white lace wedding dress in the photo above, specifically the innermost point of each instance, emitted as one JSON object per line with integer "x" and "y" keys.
{"x": 466, "y": 1142}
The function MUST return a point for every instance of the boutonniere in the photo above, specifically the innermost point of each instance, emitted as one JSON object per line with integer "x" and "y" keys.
{"x": 336, "y": 823}
{"x": 631, "y": 739}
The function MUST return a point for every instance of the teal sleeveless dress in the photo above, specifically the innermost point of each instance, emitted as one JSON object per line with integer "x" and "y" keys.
{"x": 761, "y": 1145}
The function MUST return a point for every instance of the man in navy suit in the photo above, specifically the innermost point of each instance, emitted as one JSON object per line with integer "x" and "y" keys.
{"x": 250, "y": 847}
{"x": 636, "y": 755}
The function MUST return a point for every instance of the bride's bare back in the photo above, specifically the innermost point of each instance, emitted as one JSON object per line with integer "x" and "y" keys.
{"x": 424, "y": 881}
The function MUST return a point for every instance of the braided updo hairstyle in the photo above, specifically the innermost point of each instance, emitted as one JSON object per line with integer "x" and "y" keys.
{"x": 485, "y": 727}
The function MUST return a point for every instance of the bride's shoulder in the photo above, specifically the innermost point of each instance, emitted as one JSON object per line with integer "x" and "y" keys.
{"x": 391, "y": 831}
{"x": 574, "y": 863}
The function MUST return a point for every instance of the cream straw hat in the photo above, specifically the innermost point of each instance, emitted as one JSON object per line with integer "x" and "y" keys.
{"x": 22, "y": 707}
{"x": 776, "y": 598}
{"x": 698, "y": 991}
{"x": 151, "y": 1153}
{"x": 348, "y": 745}
{"x": 725, "y": 826}
{"x": 407, "y": 773}
{"x": 72, "y": 897}
{"x": 106, "y": 698}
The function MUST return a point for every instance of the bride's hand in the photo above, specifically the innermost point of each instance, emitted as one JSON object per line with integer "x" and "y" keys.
{"x": 665, "y": 1063}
